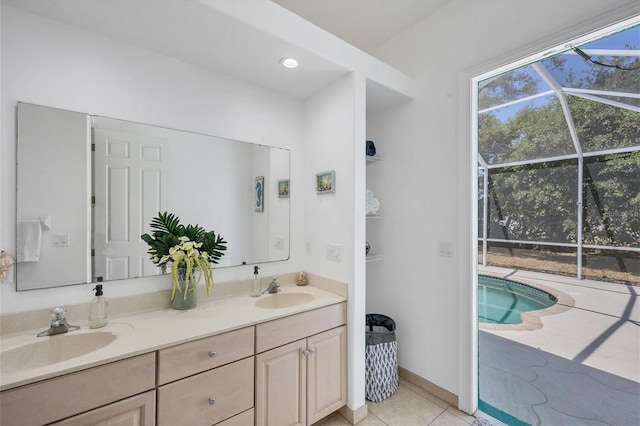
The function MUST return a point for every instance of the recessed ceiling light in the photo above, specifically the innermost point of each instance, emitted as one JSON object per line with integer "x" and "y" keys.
{"x": 289, "y": 62}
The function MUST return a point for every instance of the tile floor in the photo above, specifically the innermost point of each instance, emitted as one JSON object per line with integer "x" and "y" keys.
{"x": 410, "y": 406}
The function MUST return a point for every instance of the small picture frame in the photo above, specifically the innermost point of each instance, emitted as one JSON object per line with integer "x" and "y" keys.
{"x": 283, "y": 188}
{"x": 259, "y": 194}
{"x": 326, "y": 182}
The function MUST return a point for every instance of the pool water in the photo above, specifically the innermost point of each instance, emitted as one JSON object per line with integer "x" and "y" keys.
{"x": 501, "y": 301}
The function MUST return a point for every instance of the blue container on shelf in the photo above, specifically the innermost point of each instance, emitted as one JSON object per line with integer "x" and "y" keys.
{"x": 371, "y": 149}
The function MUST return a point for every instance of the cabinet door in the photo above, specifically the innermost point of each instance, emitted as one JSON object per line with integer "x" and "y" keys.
{"x": 138, "y": 410}
{"x": 281, "y": 384}
{"x": 326, "y": 373}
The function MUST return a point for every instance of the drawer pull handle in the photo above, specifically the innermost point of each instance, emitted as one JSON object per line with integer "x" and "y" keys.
{"x": 212, "y": 401}
{"x": 312, "y": 350}
{"x": 305, "y": 352}
{"x": 212, "y": 354}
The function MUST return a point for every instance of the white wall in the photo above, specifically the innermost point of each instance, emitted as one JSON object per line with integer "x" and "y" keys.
{"x": 47, "y": 63}
{"x": 328, "y": 145}
{"x": 330, "y": 138}
{"x": 426, "y": 190}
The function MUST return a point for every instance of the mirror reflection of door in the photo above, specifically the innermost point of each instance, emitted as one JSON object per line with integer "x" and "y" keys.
{"x": 128, "y": 194}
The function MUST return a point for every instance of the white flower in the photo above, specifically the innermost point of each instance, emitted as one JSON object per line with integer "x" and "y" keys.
{"x": 5, "y": 262}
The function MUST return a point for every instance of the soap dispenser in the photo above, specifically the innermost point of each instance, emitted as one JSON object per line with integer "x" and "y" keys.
{"x": 98, "y": 309}
{"x": 256, "y": 289}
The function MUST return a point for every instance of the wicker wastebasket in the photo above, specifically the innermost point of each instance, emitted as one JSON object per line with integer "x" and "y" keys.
{"x": 381, "y": 358}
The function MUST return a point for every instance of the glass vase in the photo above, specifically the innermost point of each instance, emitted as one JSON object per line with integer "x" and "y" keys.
{"x": 180, "y": 301}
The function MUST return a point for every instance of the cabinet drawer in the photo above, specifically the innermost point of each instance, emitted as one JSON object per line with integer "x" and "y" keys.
{"x": 74, "y": 393}
{"x": 138, "y": 410}
{"x": 194, "y": 357}
{"x": 284, "y": 330}
{"x": 208, "y": 397}
{"x": 242, "y": 419}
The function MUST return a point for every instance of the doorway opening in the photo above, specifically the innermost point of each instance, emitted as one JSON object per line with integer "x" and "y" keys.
{"x": 559, "y": 208}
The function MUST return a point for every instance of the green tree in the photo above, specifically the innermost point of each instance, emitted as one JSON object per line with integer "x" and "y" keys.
{"x": 537, "y": 202}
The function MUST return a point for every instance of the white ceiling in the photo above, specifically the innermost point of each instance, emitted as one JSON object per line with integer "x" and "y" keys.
{"x": 196, "y": 33}
{"x": 365, "y": 24}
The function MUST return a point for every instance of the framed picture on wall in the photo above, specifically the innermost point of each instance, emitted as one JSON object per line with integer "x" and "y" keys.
{"x": 259, "y": 194}
{"x": 326, "y": 182}
{"x": 283, "y": 188}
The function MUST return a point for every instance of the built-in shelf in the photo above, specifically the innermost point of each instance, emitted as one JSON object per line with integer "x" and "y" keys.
{"x": 373, "y": 257}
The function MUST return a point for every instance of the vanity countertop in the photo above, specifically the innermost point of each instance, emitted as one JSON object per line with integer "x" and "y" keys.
{"x": 149, "y": 331}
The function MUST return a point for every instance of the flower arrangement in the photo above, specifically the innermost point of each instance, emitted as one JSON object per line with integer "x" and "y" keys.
{"x": 5, "y": 262}
{"x": 188, "y": 247}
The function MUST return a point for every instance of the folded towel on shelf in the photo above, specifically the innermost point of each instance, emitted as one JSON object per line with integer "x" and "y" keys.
{"x": 29, "y": 240}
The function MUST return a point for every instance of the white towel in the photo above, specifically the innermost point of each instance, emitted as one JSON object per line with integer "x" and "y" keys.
{"x": 29, "y": 238}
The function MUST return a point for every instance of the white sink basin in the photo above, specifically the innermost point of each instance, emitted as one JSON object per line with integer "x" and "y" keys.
{"x": 283, "y": 300}
{"x": 54, "y": 349}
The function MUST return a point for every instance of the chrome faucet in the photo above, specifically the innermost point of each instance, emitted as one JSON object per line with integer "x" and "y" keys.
{"x": 274, "y": 286}
{"x": 59, "y": 323}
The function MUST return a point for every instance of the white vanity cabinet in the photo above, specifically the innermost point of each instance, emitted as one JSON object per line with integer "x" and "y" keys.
{"x": 301, "y": 367}
{"x": 207, "y": 381}
{"x": 297, "y": 377}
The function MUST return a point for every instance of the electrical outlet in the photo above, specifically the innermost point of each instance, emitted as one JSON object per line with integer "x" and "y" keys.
{"x": 445, "y": 249}
{"x": 61, "y": 240}
{"x": 334, "y": 252}
{"x": 280, "y": 243}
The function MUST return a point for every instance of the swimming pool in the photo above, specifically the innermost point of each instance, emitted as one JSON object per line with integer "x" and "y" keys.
{"x": 501, "y": 301}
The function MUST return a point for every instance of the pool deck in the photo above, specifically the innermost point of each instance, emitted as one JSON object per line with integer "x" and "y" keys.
{"x": 581, "y": 367}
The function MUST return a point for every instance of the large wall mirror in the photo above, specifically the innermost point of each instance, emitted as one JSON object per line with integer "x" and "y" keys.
{"x": 88, "y": 187}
